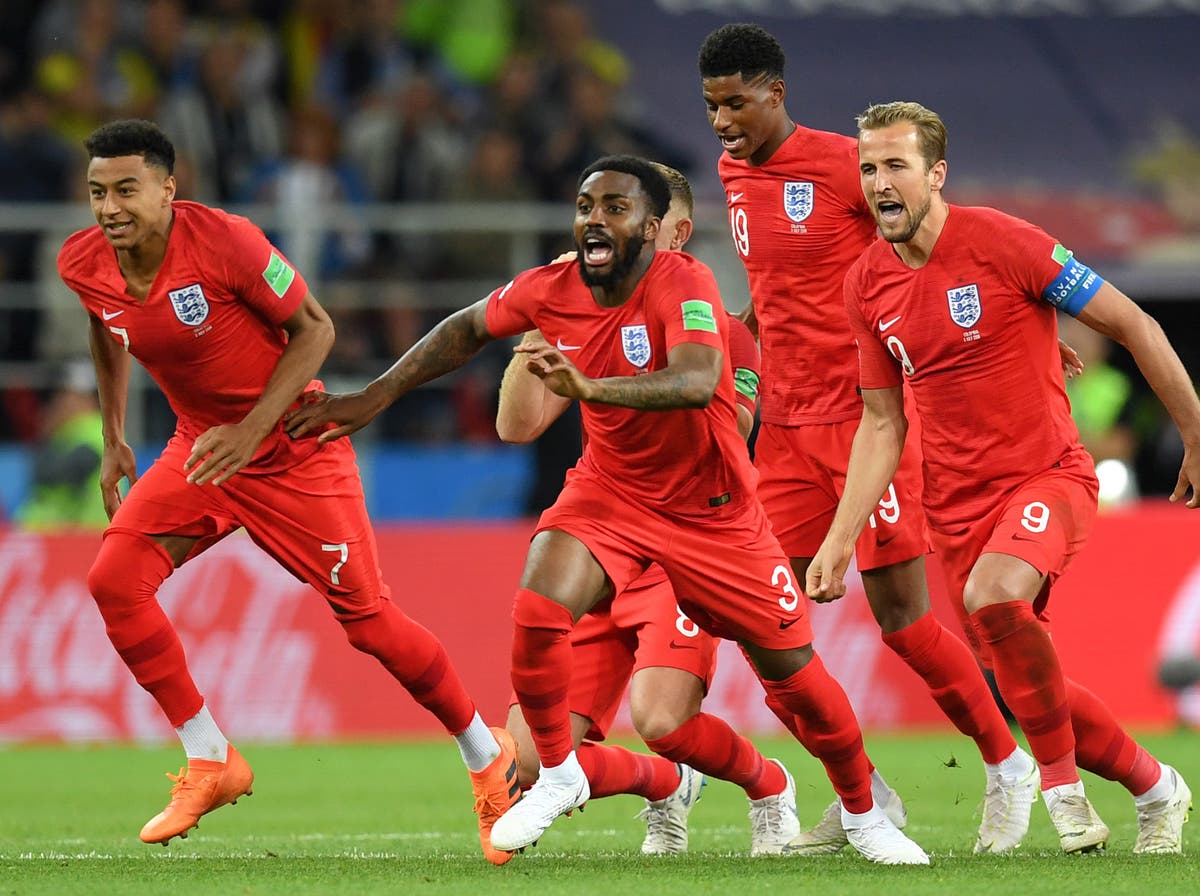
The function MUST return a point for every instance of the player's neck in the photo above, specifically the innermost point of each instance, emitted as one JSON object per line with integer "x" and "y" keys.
{"x": 140, "y": 264}
{"x": 779, "y": 135}
{"x": 915, "y": 253}
{"x": 619, "y": 293}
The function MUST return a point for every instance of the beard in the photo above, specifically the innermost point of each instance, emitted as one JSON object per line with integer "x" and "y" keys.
{"x": 622, "y": 265}
{"x": 915, "y": 218}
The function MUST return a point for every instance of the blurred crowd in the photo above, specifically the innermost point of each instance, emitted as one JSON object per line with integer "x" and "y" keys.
{"x": 299, "y": 105}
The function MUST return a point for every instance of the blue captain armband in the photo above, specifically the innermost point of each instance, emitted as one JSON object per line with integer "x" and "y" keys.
{"x": 1074, "y": 286}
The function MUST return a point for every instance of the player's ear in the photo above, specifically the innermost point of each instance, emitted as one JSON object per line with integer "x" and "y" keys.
{"x": 778, "y": 91}
{"x": 937, "y": 176}
{"x": 651, "y": 227}
{"x": 683, "y": 233}
{"x": 169, "y": 187}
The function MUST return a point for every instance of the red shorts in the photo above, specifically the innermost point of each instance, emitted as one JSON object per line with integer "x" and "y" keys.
{"x": 311, "y": 518}
{"x": 1045, "y": 522}
{"x": 802, "y": 474}
{"x": 727, "y": 570}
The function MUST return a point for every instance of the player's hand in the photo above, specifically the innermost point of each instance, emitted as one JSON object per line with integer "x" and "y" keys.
{"x": 825, "y": 580}
{"x": 551, "y": 366}
{"x": 116, "y": 463}
{"x": 1189, "y": 476}
{"x": 1072, "y": 364}
{"x": 340, "y": 415}
{"x": 220, "y": 452}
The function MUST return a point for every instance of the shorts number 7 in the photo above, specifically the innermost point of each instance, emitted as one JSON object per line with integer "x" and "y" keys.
{"x": 344, "y": 552}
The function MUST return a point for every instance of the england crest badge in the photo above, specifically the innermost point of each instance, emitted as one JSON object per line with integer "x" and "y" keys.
{"x": 191, "y": 307}
{"x": 965, "y": 307}
{"x": 798, "y": 199}
{"x": 635, "y": 342}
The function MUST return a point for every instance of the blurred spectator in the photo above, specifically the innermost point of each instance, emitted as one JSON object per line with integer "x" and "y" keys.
{"x": 1172, "y": 168}
{"x": 171, "y": 48}
{"x": 591, "y": 128}
{"x": 223, "y": 124}
{"x": 301, "y": 185}
{"x": 516, "y": 102}
{"x": 90, "y": 63}
{"x": 472, "y": 37}
{"x": 66, "y": 463}
{"x": 259, "y": 69}
{"x": 565, "y": 43}
{"x": 368, "y": 60}
{"x": 493, "y": 174}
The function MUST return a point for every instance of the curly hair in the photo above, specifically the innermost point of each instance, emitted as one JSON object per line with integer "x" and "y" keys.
{"x": 132, "y": 137}
{"x": 741, "y": 49}
{"x": 653, "y": 183}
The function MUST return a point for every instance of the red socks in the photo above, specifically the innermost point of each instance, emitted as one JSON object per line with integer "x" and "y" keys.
{"x": 1031, "y": 681}
{"x": 611, "y": 770}
{"x": 1103, "y": 747}
{"x": 541, "y": 672}
{"x": 415, "y": 658}
{"x": 828, "y": 729}
{"x": 711, "y": 747}
{"x": 957, "y": 685}
{"x": 124, "y": 581}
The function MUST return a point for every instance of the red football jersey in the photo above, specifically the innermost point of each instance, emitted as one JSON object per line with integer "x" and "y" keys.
{"x": 978, "y": 344}
{"x": 209, "y": 331}
{"x": 799, "y": 221}
{"x": 675, "y": 461}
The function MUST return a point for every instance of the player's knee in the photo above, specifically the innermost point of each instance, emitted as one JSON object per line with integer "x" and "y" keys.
{"x": 985, "y": 589}
{"x": 653, "y": 721}
{"x": 128, "y": 570}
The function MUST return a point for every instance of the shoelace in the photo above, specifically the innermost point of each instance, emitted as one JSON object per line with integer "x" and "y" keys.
{"x": 995, "y": 812}
{"x": 767, "y": 819}
{"x": 1158, "y": 835}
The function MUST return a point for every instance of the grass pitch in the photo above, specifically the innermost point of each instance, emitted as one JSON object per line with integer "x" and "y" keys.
{"x": 396, "y": 818}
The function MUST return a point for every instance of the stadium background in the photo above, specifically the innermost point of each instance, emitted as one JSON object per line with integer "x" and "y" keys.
{"x": 411, "y": 155}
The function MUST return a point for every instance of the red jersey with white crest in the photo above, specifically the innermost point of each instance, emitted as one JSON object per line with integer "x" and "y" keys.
{"x": 673, "y": 461}
{"x": 799, "y": 221}
{"x": 209, "y": 331}
{"x": 976, "y": 336}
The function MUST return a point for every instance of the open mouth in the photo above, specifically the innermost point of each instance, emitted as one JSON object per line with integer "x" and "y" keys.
{"x": 731, "y": 143}
{"x": 597, "y": 251}
{"x": 890, "y": 211}
{"x": 118, "y": 228}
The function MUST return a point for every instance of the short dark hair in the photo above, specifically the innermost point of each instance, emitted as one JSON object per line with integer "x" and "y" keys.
{"x": 653, "y": 183}
{"x": 132, "y": 137}
{"x": 741, "y": 49}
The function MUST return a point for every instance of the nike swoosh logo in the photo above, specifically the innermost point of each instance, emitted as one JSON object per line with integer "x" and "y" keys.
{"x": 787, "y": 623}
{"x": 734, "y": 197}
{"x": 107, "y": 315}
{"x": 563, "y": 347}
{"x": 677, "y": 646}
{"x": 883, "y": 325}
{"x": 1021, "y": 536}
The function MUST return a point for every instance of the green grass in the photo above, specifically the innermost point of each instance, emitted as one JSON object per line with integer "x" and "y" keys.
{"x": 395, "y": 818}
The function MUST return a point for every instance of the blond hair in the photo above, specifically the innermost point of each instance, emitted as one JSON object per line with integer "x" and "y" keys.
{"x": 680, "y": 188}
{"x": 931, "y": 132}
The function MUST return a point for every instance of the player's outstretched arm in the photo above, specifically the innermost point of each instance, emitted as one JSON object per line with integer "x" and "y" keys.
{"x": 112, "y": 384}
{"x": 221, "y": 451}
{"x": 527, "y": 407}
{"x": 1115, "y": 315}
{"x": 446, "y": 347}
{"x": 874, "y": 456}
{"x": 688, "y": 381}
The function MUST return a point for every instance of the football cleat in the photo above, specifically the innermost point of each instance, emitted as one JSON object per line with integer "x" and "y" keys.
{"x": 496, "y": 788}
{"x": 1007, "y": 804}
{"x": 1079, "y": 827}
{"x": 773, "y": 819}
{"x": 530, "y": 816}
{"x": 1160, "y": 824}
{"x": 666, "y": 819}
{"x": 828, "y": 836}
{"x": 203, "y": 786}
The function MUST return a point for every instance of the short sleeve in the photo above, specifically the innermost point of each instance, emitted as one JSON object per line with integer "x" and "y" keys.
{"x": 1044, "y": 269}
{"x": 877, "y": 369}
{"x": 687, "y": 301}
{"x": 259, "y": 273}
{"x": 509, "y": 310}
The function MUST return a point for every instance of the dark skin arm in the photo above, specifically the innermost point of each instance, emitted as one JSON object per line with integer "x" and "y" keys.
{"x": 446, "y": 347}
{"x": 223, "y": 450}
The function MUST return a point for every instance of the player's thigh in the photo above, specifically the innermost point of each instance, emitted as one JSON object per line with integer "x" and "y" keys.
{"x": 731, "y": 578}
{"x": 313, "y": 520}
{"x": 795, "y": 485}
{"x": 896, "y": 530}
{"x": 666, "y": 637}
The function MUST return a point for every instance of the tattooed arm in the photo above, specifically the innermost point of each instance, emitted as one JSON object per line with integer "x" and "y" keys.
{"x": 446, "y": 347}
{"x": 688, "y": 381}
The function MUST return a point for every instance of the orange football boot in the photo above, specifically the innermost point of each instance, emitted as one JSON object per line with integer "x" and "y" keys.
{"x": 203, "y": 786}
{"x": 496, "y": 789}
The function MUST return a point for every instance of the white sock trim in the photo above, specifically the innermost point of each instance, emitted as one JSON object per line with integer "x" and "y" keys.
{"x": 202, "y": 739}
{"x": 477, "y": 745}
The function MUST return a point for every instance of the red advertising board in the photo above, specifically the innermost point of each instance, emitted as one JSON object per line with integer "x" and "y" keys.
{"x": 274, "y": 665}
